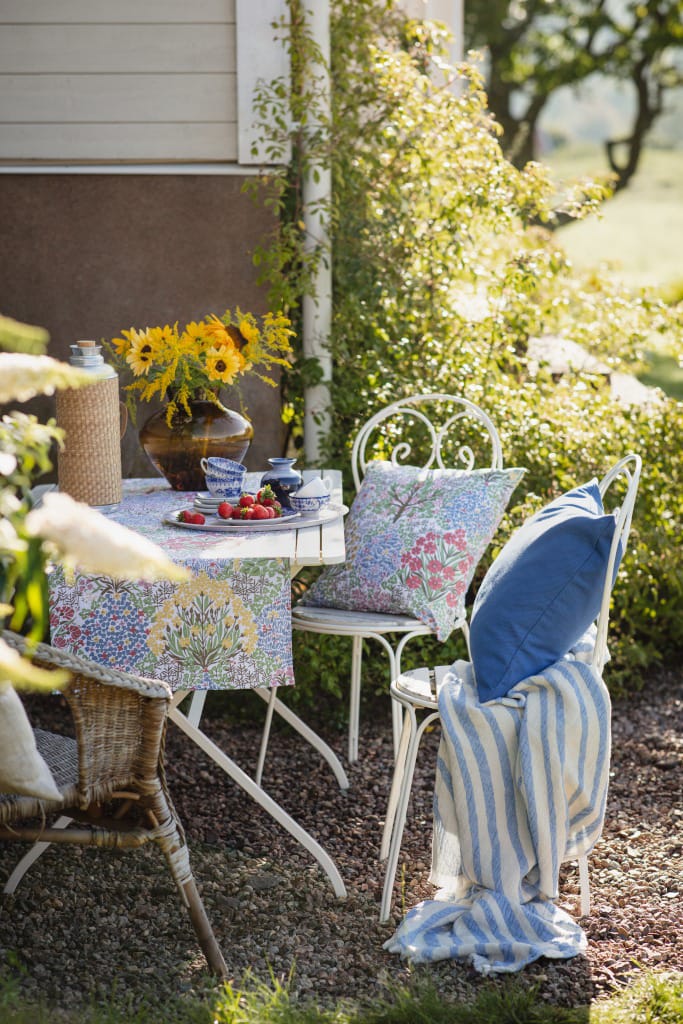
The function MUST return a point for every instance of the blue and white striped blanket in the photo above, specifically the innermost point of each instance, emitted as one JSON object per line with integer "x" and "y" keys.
{"x": 521, "y": 785}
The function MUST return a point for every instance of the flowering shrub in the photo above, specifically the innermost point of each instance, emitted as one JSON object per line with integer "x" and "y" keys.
{"x": 179, "y": 366}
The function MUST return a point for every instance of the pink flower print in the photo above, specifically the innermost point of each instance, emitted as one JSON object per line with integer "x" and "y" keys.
{"x": 413, "y": 582}
{"x": 435, "y": 582}
{"x": 451, "y": 599}
{"x": 465, "y": 564}
{"x": 460, "y": 587}
{"x": 430, "y": 544}
{"x": 456, "y": 538}
{"x": 448, "y": 572}
{"x": 434, "y": 565}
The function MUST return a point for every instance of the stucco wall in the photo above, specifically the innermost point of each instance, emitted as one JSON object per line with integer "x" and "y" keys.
{"x": 86, "y": 255}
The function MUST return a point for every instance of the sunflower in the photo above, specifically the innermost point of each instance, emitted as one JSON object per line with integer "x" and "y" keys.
{"x": 142, "y": 352}
{"x": 249, "y": 331}
{"x": 223, "y": 364}
{"x": 180, "y": 365}
{"x": 220, "y": 335}
{"x": 196, "y": 337}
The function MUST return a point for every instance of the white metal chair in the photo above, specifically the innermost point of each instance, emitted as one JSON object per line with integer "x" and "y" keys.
{"x": 416, "y": 694}
{"x": 421, "y": 429}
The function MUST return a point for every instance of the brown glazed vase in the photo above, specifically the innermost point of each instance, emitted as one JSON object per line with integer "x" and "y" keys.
{"x": 176, "y": 451}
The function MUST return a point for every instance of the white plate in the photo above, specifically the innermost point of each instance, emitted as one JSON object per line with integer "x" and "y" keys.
{"x": 206, "y": 500}
{"x": 215, "y": 524}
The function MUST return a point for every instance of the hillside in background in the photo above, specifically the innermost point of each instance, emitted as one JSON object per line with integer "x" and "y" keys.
{"x": 640, "y": 231}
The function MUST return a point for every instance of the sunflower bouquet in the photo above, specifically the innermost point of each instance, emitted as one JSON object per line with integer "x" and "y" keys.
{"x": 181, "y": 366}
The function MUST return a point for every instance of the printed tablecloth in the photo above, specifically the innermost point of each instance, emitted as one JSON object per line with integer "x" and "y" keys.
{"x": 228, "y": 627}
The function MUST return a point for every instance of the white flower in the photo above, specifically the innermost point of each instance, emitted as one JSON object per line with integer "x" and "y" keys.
{"x": 8, "y": 463}
{"x": 472, "y": 305}
{"x": 20, "y": 672}
{"x": 86, "y": 540}
{"x": 10, "y": 543}
{"x": 22, "y": 377}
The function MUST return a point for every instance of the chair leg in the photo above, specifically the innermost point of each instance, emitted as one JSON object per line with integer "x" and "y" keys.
{"x": 397, "y": 779}
{"x": 396, "y": 726}
{"x": 584, "y": 887}
{"x": 354, "y": 698}
{"x": 29, "y": 858}
{"x": 408, "y": 771}
{"x": 203, "y": 930}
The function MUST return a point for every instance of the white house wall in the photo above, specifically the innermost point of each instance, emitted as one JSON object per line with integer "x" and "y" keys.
{"x": 142, "y": 81}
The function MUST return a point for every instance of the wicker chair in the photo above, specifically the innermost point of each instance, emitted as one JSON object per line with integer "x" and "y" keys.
{"x": 111, "y": 777}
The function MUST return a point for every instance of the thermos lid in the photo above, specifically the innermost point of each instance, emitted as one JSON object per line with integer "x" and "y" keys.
{"x": 88, "y": 355}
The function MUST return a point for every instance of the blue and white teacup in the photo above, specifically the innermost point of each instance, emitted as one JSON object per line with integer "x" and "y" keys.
{"x": 224, "y": 477}
{"x": 309, "y": 505}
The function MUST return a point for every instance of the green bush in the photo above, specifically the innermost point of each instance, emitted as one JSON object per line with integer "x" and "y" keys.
{"x": 445, "y": 265}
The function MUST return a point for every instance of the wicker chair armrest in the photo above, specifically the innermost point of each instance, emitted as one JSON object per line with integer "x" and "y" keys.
{"x": 51, "y": 657}
{"x": 120, "y": 722}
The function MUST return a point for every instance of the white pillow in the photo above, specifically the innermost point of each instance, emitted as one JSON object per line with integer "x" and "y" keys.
{"x": 22, "y": 768}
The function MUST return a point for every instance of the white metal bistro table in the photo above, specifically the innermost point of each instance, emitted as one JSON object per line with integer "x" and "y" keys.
{"x": 228, "y": 628}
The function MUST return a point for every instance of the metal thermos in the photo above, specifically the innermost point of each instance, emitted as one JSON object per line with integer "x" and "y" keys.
{"x": 89, "y": 466}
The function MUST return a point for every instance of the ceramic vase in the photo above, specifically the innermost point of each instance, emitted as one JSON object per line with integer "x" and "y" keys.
{"x": 176, "y": 450}
{"x": 283, "y": 478}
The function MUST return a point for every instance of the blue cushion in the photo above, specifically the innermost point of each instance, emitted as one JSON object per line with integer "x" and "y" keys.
{"x": 542, "y": 592}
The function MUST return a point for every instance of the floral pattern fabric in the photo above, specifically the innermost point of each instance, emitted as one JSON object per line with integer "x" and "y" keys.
{"x": 414, "y": 538}
{"x": 228, "y": 627}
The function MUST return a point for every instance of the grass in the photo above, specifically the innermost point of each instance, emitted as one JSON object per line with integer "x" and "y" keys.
{"x": 664, "y": 371}
{"x": 653, "y": 999}
{"x": 637, "y": 235}
{"x": 639, "y": 231}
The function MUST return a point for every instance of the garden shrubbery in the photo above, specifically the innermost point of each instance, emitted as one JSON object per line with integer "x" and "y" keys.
{"x": 445, "y": 265}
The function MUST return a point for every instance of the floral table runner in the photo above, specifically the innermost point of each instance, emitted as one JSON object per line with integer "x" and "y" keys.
{"x": 228, "y": 627}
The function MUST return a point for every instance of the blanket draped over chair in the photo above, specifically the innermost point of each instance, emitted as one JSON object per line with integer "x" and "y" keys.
{"x": 521, "y": 785}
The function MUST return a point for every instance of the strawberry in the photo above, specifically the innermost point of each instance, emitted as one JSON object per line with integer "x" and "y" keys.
{"x": 237, "y": 512}
{"x": 225, "y": 510}
{"x": 259, "y": 512}
{"x": 246, "y": 500}
{"x": 266, "y": 496}
{"x": 188, "y": 516}
{"x": 247, "y": 512}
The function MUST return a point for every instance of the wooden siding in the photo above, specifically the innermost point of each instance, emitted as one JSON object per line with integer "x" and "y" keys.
{"x": 111, "y": 81}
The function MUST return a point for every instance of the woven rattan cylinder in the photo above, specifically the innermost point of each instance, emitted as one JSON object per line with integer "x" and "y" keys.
{"x": 89, "y": 467}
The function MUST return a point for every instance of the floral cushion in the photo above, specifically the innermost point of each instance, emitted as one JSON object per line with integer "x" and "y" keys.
{"x": 413, "y": 541}
{"x": 22, "y": 768}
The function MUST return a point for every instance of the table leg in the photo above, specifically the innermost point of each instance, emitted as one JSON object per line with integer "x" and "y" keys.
{"x": 258, "y": 794}
{"x": 304, "y": 730}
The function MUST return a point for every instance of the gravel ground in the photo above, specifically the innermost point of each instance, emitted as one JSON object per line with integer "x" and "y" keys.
{"x": 83, "y": 921}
